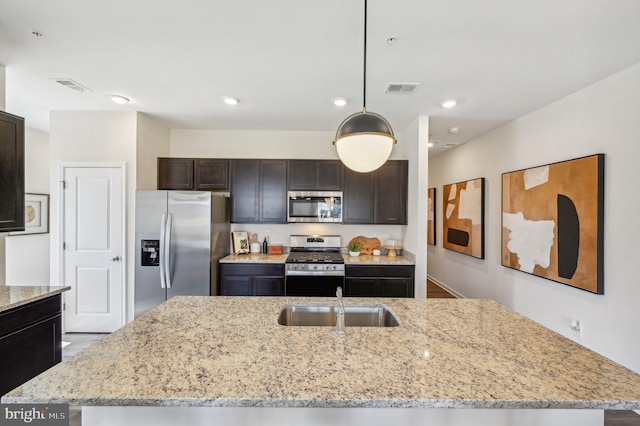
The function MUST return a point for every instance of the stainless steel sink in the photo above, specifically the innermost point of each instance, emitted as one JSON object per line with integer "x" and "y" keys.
{"x": 375, "y": 315}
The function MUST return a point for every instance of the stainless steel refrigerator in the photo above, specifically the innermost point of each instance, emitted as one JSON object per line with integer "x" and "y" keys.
{"x": 180, "y": 237}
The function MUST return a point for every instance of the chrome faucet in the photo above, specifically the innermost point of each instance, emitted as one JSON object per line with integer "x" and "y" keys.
{"x": 340, "y": 313}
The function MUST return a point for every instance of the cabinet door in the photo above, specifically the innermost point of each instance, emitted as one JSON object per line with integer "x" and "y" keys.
{"x": 28, "y": 352}
{"x": 391, "y": 193}
{"x": 396, "y": 287}
{"x": 211, "y": 174}
{"x": 273, "y": 191}
{"x": 302, "y": 175}
{"x": 362, "y": 287}
{"x": 268, "y": 286}
{"x": 245, "y": 191}
{"x": 236, "y": 286}
{"x": 329, "y": 175}
{"x": 175, "y": 173}
{"x": 11, "y": 173}
{"x": 358, "y": 197}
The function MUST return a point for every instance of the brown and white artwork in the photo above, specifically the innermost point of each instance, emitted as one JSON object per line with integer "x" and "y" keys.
{"x": 552, "y": 222}
{"x": 431, "y": 216}
{"x": 463, "y": 217}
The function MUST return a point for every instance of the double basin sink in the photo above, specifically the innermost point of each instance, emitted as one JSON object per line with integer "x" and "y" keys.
{"x": 373, "y": 315}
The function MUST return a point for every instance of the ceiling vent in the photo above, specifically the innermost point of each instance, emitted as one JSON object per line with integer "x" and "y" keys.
{"x": 450, "y": 145}
{"x": 402, "y": 87}
{"x": 70, "y": 84}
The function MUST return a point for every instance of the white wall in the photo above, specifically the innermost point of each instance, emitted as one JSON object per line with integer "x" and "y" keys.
{"x": 602, "y": 118}
{"x": 93, "y": 137}
{"x": 153, "y": 141}
{"x": 27, "y": 256}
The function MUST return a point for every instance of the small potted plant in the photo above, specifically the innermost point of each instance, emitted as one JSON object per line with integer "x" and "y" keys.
{"x": 354, "y": 248}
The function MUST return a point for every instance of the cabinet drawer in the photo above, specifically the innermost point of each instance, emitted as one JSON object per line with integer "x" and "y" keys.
{"x": 379, "y": 271}
{"x": 24, "y": 316}
{"x": 252, "y": 269}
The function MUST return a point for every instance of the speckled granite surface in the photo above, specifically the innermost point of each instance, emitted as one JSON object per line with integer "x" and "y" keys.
{"x": 231, "y": 352}
{"x": 14, "y": 296}
{"x": 255, "y": 258}
{"x": 408, "y": 259}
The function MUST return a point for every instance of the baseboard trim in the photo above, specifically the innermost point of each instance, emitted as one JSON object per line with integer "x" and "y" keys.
{"x": 446, "y": 287}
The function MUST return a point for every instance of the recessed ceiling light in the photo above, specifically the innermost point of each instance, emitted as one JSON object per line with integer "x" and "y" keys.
{"x": 340, "y": 102}
{"x": 449, "y": 103}
{"x": 430, "y": 144}
{"x": 119, "y": 99}
{"x": 454, "y": 130}
{"x": 231, "y": 101}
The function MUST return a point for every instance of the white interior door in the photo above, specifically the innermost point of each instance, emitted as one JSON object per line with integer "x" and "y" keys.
{"x": 93, "y": 220}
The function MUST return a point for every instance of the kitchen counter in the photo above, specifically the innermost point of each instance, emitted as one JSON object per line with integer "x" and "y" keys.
{"x": 231, "y": 352}
{"x": 363, "y": 259}
{"x": 15, "y": 296}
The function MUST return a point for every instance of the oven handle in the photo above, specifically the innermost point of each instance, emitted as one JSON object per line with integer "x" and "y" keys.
{"x": 315, "y": 273}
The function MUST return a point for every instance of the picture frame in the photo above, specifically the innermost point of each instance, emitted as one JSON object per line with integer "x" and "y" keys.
{"x": 36, "y": 214}
{"x": 431, "y": 216}
{"x": 240, "y": 242}
{"x": 553, "y": 222}
{"x": 463, "y": 217}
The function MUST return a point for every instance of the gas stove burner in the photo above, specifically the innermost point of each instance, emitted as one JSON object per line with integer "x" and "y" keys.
{"x": 311, "y": 257}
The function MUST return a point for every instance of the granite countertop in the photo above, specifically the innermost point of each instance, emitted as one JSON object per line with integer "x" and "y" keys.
{"x": 14, "y": 296}
{"x": 231, "y": 352}
{"x": 348, "y": 260}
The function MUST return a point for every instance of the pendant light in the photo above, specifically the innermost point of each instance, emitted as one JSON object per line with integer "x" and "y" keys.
{"x": 364, "y": 140}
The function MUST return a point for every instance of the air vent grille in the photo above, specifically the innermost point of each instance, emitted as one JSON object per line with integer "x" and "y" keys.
{"x": 70, "y": 84}
{"x": 402, "y": 87}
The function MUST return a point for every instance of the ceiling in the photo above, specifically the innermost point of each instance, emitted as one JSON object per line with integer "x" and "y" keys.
{"x": 286, "y": 60}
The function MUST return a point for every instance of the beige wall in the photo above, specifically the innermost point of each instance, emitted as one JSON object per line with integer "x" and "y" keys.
{"x": 602, "y": 118}
{"x": 152, "y": 142}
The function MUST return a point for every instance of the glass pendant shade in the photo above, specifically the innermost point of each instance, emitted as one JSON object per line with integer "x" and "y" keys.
{"x": 364, "y": 141}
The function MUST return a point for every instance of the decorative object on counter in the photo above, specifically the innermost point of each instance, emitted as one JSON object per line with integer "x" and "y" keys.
{"x": 364, "y": 140}
{"x": 368, "y": 244}
{"x": 265, "y": 246}
{"x": 392, "y": 245}
{"x": 376, "y": 252}
{"x": 354, "y": 248}
{"x": 553, "y": 222}
{"x": 36, "y": 214}
{"x": 240, "y": 241}
{"x": 274, "y": 249}
{"x": 256, "y": 247}
{"x": 431, "y": 216}
{"x": 253, "y": 238}
{"x": 463, "y": 217}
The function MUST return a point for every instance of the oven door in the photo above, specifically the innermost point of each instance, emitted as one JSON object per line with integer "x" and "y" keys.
{"x": 316, "y": 206}
{"x": 313, "y": 285}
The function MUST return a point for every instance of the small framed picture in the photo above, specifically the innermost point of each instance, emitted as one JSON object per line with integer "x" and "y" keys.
{"x": 36, "y": 214}
{"x": 240, "y": 241}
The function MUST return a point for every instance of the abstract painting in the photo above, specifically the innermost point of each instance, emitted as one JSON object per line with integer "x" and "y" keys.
{"x": 36, "y": 214}
{"x": 553, "y": 223}
{"x": 431, "y": 216}
{"x": 463, "y": 217}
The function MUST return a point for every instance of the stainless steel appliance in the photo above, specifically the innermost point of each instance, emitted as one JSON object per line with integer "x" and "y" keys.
{"x": 180, "y": 237}
{"x": 314, "y": 266}
{"x": 315, "y": 206}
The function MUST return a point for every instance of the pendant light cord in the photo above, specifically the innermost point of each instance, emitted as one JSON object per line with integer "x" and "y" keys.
{"x": 364, "y": 79}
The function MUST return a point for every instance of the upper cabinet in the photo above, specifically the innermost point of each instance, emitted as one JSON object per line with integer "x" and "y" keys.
{"x": 259, "y": 191}
{"x": 11, "y": 173}
{"x": 378, "y": 197}
{"x": 315, "y": 175}
{"x": 200, "y": 174}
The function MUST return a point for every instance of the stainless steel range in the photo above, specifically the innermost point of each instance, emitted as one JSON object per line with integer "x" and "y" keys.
{"x": 314, "y": 266}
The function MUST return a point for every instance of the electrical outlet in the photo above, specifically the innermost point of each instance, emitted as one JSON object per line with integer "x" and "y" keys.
{"x": 576, "y": 328}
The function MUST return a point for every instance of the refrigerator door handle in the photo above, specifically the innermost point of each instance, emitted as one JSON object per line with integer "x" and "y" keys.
{"x": 167, "y": 250}
{"x": 163, "y": 229}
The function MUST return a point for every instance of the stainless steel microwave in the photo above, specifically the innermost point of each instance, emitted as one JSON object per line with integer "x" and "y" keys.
{"x": 315, "y": 206}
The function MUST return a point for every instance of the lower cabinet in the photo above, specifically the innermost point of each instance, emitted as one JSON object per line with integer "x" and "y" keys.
{"x": 30, "y": 341}
{"x": 379, "y": 281}
{"x": 251, "y": 279}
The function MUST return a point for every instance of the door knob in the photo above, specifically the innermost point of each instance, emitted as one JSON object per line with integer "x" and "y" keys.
{"x": 115, "y": 259}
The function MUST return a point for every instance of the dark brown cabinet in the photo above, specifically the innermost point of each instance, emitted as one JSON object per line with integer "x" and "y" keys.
{"x": 379, "y": 281}
{"x": 200, "y": 174}
{"x": 315, "y": 175}
{"x": 11, "y": 173}
{"x": 259, "y": 191}
{"x": 252, "y": 279}
{"x": 378, "y": 197}
{"x": 30, "y": 341}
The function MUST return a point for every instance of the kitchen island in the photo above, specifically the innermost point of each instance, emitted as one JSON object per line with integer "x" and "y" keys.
{"x": 230, "y": 352}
